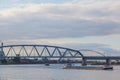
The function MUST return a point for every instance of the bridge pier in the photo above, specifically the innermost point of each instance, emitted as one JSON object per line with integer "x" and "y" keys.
{"x": 108, "y": 62}
{"x": 84, "y": 62}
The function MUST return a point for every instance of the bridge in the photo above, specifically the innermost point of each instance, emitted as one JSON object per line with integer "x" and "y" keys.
{"x": 49, "y": 52}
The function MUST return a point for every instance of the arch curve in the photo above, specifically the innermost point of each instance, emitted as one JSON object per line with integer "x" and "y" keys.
{"x": 61, "y": 52}
{"x": 92, "y": 51}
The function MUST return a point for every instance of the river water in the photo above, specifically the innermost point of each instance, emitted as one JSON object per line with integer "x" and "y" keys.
{"x": 55, "y": 72}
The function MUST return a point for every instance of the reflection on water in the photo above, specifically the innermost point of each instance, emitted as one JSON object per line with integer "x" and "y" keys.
{"x": 54, "y": 72}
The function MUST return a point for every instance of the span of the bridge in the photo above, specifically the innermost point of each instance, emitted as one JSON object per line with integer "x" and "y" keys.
{"x": 47, "y": 51}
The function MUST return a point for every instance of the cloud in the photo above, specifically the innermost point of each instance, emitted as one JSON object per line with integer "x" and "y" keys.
{"x": 36, "y": 21}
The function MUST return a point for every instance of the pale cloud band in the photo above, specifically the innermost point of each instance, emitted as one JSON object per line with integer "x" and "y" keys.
{"x": 34, "y": 21}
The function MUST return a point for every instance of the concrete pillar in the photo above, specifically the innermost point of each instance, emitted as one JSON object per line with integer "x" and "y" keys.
{"x": 84, "y": 62}
{"x": 108, "y": 62}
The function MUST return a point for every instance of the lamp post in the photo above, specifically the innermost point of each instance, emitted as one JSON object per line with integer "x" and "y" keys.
{"x": 1, "y": 45}
{"x": 1, "y": 50}
{"x": 2, "y": 55}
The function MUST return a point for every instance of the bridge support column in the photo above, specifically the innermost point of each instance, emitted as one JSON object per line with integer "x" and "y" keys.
{"x": 84, "y": 62}
{"x": 108, "y": 62}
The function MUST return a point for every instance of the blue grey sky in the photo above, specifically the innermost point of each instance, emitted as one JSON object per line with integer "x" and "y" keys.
{"x": 92, "y": 24}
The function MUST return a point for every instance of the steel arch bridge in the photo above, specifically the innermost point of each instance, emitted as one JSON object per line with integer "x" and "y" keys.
{"x": 45, "y": 52}
{"x": 38, "y": 51}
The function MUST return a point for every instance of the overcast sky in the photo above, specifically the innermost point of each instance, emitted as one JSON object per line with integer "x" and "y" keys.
{"x": 90, "y": 24}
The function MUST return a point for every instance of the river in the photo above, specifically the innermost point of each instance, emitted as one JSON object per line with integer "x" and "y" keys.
{"x": 55, "y": 72}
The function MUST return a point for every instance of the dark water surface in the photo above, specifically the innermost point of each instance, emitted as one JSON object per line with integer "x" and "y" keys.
{"x": 54, "y": 72}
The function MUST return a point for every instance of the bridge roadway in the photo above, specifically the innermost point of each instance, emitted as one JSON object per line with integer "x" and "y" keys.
{"x": 107, "y": 58}
{"x": 102, "y": 57}
{"x": 85, "y": 57}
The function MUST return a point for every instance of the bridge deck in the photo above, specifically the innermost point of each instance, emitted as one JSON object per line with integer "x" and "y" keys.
{"x": 102, "y": 57}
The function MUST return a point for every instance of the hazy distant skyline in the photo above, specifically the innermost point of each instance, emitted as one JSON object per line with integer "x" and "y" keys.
{"x": 91, "y": 24}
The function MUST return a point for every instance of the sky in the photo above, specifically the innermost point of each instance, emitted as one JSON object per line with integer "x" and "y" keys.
{"x": 77, "y": 24}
